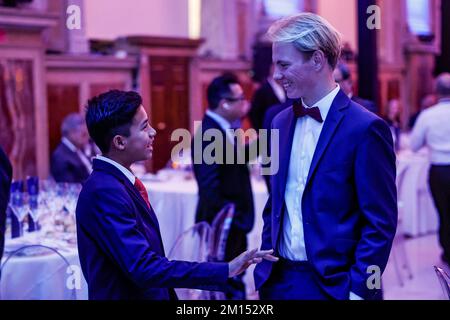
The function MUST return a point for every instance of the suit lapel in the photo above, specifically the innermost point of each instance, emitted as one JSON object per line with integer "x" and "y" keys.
{"x": 332, "y": 121}
{"x": 285, "y": 145}
{"x": 140, "y": 201}
{"x": 104, "y": 166}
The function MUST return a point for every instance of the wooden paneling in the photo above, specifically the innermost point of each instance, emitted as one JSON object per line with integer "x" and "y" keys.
{"x": 61, "y": 101}
{"x": 17, "y": 115}
{"x": 99, "y": 88}
{"x": 169, "y": 102}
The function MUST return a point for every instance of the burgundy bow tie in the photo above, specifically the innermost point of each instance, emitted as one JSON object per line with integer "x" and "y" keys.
{"x": 300, "y": 111}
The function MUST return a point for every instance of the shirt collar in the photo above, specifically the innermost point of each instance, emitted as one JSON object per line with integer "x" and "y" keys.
{"x": 325, "y": 103}
{"x": 130, "y": 176}
{"x": 219, "y": 119}
{"x": 69, "y": 144}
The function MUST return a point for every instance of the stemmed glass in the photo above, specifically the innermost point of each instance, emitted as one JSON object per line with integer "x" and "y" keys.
{"x": 20, "y": 207}
{"x": 33, "y": 192}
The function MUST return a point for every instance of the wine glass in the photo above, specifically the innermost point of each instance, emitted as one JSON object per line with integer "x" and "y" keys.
{"x": 20, "y": 207}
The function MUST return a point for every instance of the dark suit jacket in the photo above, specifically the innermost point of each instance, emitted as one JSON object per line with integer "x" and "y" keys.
{"x": 5, "y": 185}
{"x": 220, "y": 184}
{"x": 369, "y": 105}
{"x": 263, "y": 98}
{"x": 349, "y": 205}
{"x": 66, "y": 166}
{"x": 120, "y": 246}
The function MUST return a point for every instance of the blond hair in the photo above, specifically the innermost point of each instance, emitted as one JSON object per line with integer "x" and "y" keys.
{"x": 308, "y": 32}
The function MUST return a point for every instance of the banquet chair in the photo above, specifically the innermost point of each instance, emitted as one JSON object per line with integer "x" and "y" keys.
{"x": 192, "y": 245}
{"x": 398, "y": 252}
{"x": 444, "y": 280}
{"x": 220, "y": 230}
{"x": 39, "y": 291}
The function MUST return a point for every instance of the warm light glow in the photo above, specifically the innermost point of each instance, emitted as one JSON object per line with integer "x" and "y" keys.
{"x": 419, "y": 16}
{"x": 194, "y": 18}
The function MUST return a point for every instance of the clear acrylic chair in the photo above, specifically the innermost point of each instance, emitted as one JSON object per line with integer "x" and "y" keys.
{"x": 35, "y": 289}
{"x": 220, "y": 230}
{"x": 444, "y": 280}
{"x": 192, "y": 245}
{"x": 398, "y": 252}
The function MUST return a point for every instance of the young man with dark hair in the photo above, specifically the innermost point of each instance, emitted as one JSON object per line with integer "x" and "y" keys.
{"x": 119, "y": 241}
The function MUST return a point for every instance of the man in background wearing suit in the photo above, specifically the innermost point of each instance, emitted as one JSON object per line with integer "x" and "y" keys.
{"x": 68, "y": 162}
{"x": 119, "y": 241}
{"x": 5, "y": 185}
{"x": 343, "y": 77}
{"x": 222, "y": 183}
{"x": 269, "y": 94}
{"x": 332, "y": 212}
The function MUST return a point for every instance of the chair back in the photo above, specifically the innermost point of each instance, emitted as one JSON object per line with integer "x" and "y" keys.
{"x": 192, "y": 245}
{"x": 220, "y": 229}
{"x": 40, "y": 265}
{"x": 444, "y": 280}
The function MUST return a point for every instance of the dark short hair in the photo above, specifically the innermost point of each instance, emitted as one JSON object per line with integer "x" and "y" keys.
{"x": 219, "y": 89}
{"x": 110, "y": 114}
{"x": 345, "y": 71}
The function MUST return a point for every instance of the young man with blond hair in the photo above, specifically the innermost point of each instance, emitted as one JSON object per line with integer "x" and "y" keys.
{"x": 332, "y": 213}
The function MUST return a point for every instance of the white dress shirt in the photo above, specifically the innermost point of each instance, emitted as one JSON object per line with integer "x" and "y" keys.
{"x": 223, "y": 123}
{"x": 432, "y": 129}
{"x": 130, "y": 176}
{"x": 84, "y": 159}
{"x": 306, "y": 136}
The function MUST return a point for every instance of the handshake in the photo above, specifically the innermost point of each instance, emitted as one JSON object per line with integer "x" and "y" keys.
{"x": 247, "y": 258}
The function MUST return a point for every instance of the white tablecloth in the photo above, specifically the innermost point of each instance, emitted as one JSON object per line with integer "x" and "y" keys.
{"x": 416, "y": 206}
{"x": 42, "y": 276}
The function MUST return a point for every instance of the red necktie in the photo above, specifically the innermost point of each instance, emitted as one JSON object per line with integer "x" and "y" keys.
{"x": 141, "y": 188}
{"x": 300, "y": 111}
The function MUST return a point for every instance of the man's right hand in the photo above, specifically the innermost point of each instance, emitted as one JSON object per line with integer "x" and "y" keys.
{"x": 247, "y": 258}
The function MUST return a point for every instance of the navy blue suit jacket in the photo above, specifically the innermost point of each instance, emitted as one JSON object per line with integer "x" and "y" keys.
{"x": 66, "y": 166}
{"x": 349, "y": 205}
{"x": 223, "y": 183}
{"x": 120, "y": 246}
{"x": 5, "y": 185}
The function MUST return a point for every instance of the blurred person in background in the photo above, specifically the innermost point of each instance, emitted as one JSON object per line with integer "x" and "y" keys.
{"x": 428, "y": 101}
{"x": 393, "y": 119}
{"x": 432, "y": 129}
{"x": 343, "y": 77}
{"x": 69, "y": 163}
{"x": 5, "y": 185}
{"x": 223, "y": 183}
{"x": 269, "y": 94}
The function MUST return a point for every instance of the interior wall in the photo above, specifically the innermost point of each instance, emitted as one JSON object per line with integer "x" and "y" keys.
{"x": 342, "y": 14}
{"x": 109, "y": 19}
